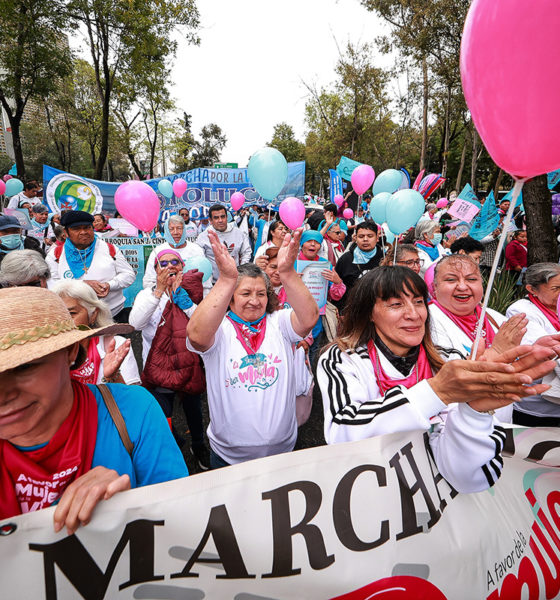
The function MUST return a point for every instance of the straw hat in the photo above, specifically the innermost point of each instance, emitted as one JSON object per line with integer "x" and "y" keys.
{"x": 35, "y": 322}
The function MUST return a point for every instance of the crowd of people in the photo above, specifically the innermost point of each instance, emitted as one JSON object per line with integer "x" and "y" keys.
{"x": 83, "y": 418}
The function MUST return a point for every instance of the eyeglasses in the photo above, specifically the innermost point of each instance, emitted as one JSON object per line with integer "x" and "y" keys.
{"x": 419, "y": 262}
{"x": 173, "y": 262}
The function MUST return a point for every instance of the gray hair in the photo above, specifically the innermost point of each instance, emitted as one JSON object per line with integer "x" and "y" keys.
{"x": 22, "y": 266}
{"x": 252, "y": 271}
{"x": 537, "y": 274}
{"x": 424, "y": 226}
{"x": 430, "y": 206}
{"x": 86, "y": 297}
{"x": 177, "y": 219}
{"x": 39, "y": 209}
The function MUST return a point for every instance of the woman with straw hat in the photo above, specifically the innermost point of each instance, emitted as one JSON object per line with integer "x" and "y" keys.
{"x": 59, "y": 434}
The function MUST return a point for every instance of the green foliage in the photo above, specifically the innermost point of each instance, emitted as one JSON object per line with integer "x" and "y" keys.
{"x": 189, "y": 152}
{"x": 504, "y": 292}
{"x": 285, "y": 141}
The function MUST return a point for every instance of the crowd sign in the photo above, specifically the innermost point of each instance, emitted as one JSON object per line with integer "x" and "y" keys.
{"x": 204, "y": 186}
{"x": 350, "y": 521}
{"x": 136, "y": 250}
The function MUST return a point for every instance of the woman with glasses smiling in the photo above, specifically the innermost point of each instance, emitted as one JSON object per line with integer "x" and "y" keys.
{"x": 407, "y": 256}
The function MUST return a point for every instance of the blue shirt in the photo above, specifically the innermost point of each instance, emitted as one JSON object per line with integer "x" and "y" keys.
{"x": 156, "y": 456}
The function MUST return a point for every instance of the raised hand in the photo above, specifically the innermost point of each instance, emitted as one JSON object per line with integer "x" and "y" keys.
{"x": 224, "y": 261}
{"x": 288, "y": 253}
{"x": 114, "y": 358}
{"x": 508, "y": 337}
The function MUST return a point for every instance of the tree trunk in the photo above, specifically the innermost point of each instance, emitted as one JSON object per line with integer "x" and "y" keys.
{"x": 18, "y": 151}
{"x": 461, "y": 167}
{"x": 542, "y": 246}
{"x": 424, "y": 150}
{"x": 447, "y": 133}
{"x": 474, "y": 159}
{"x": 104, "y": 144}
{"x": 498, "y": 183}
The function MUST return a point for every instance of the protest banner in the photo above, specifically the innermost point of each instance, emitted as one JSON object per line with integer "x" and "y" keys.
{"x": 312, "y": 277}
{"x": 335, "y": 185}
{"x": 21, "y": 214}
{"x": 204, "y": 186}
{"x": 463, "y": 210}
{"x": 346, "y": 167}
{"x": 346, "y": 521}
{"x": 487, "y": 221}
{"x": 136, "y": 250}
{"x": 467, "y": 193}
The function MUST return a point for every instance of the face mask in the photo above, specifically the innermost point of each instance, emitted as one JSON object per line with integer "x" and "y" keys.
{"x": 437, "y": 239}
{"x": 12, "y": 241}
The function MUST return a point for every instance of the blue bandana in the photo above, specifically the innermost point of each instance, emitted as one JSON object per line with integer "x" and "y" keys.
{"x": 79, "y": 260}
{"x": 361, "y": 257}
{"x": 182, "y": 299}
{"x": 169, "y": 238}
{"x": 311, "y": 234}
{"x": 431, "y": 251}
{"x": 248, "y": 324}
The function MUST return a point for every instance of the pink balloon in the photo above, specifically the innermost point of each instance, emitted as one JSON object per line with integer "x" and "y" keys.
{"x": 347, "y": 213}
{"x": 179, "y": 187}
{"x": 442, "y": 203}
{"x": 138, "y": 203}
{"x": 236, "y": 200}
{"x": 292, "y": 212}
{"x": 429, "y": 278}
{"x": 512, "y": 88}
{"x": 339, "y": 200}
{"x": 2, "y": 187}
{"x": 6, "y": 177}
{"x": 362, "y": 177}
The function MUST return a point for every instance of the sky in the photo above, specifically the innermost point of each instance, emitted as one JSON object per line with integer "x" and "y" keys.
{"x": 247, "y": 73}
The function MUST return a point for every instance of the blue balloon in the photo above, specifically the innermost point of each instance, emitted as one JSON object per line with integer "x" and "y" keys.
{"x": 165, "y": 188}
{"x": 389, "y": 235}
{"x": 13, "y": 186}
{"x": 199, "y": 263}
{"x": 387, "y": 181}
{"x": 378, "y": 206}
{"x": 268, "y": 172}
{"x": 404, "y": 209}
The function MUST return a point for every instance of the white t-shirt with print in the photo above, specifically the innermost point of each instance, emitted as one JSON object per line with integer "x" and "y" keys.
{"x": 252, "y": 398}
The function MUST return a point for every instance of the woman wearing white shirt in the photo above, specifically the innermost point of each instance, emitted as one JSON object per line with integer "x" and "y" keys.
{"x": 107, "y": 358}
{"x": 542, "y": 282}
{"x": 455, "y": 310}
{"x": 428, "y": 240}
{"x": 246, "y": 347}
{"x": 383, "y": 374}
{"x": 276, "y": 233}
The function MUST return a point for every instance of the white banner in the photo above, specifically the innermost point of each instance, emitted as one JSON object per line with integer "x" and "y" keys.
{"x": 355, "y": 521}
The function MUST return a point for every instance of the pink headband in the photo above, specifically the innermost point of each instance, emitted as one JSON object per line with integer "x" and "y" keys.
{"x": 170, "y": 251}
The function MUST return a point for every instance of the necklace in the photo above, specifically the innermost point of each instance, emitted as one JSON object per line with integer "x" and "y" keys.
{"x": 83, "y": 260}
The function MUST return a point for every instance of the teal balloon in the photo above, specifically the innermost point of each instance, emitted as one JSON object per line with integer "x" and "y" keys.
{"x": 165, "y": 188}
{"x": 404, "y": 209}
{"x": 389, "y": 181}
{"x": 268, "y": 172}
{"x": 199, "y": 263}
{"x": 13, "y": 186}
{"x": 389, "y": 235}
{"x": 378, "y": 207}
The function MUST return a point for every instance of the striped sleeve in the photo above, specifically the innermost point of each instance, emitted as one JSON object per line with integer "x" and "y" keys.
{"x": 353, "y": 407}
{"x": 468, "y": 449}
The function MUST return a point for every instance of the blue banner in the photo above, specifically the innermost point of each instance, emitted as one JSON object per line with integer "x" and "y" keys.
{"x": 335, "y": 185}
{"x": 487, "y": 220}
{"x": 553, "y": 179}
{"x": 204, "y": 186}
{"x": 346, "y": 166}
{"x": 469, "y": 195}
{"x": 509, "y": 196}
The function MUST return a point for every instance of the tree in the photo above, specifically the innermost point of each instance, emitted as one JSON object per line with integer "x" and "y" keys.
{"x": 130, "y": 37}
{"x": 34, "y": 56}
{"x": 182, "y": 144}
{"x": 284, "y": 140}
{"x": 537, "y": 200}
{"x": 208, "y": 149}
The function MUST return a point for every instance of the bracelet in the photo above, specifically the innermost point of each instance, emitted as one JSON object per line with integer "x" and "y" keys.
{"x": 155, "y": 293}
{"x": 111, "y": 379}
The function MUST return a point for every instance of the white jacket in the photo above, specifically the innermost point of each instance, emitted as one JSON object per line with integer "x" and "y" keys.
{"x": 466, "y": 445}
{"x": 537, "y": 327}
{"x": 146, "y": 314}
{"x": 104, "y": 268}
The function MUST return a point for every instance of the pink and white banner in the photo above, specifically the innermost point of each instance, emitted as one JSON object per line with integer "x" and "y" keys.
{"x": 371, "y": 519}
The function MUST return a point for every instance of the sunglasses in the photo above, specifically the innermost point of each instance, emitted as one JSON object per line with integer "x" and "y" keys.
{"x": 173, "y": 262}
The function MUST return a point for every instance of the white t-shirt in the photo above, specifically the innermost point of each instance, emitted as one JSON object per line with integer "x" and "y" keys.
{"x": 21, "y": 197}
{"x": 252, "y": 398}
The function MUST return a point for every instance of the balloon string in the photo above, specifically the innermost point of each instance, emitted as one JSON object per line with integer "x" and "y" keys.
{"x": 505, "y": 226}
{"x": 395, "y": 255}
